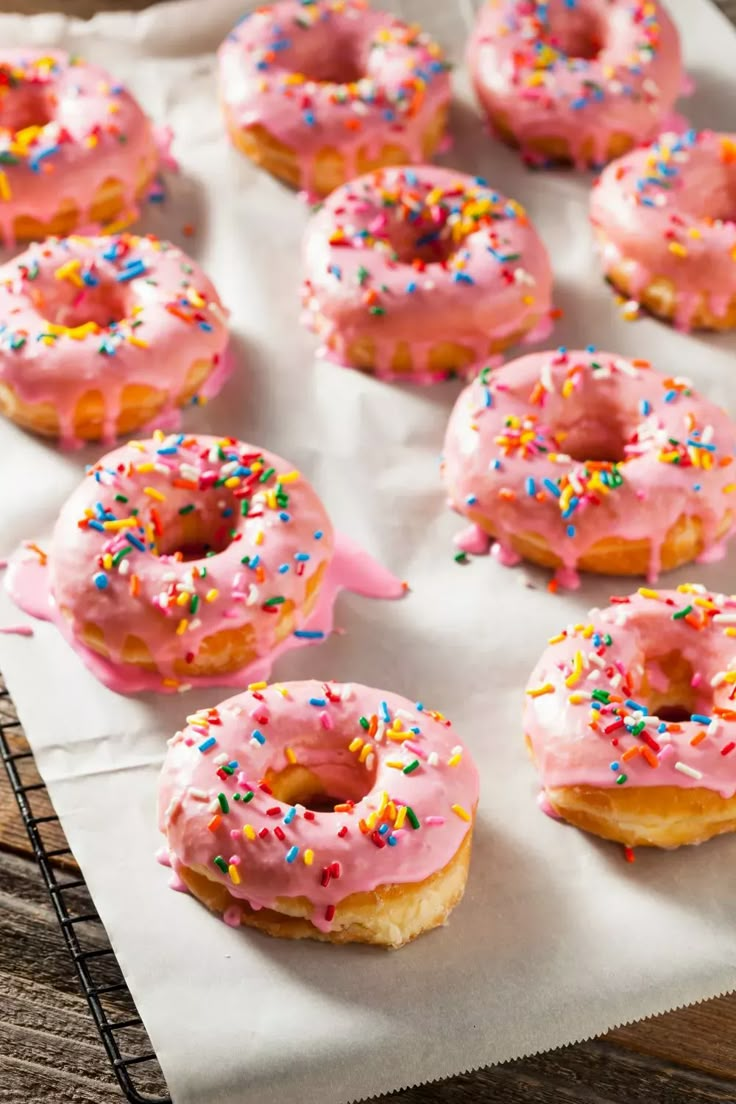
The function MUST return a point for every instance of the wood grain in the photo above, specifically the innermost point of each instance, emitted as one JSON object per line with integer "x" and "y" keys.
{"x": 50, "y": 1052}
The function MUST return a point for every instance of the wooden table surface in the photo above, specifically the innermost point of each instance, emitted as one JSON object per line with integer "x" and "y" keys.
{"x": 50, "y": 1052}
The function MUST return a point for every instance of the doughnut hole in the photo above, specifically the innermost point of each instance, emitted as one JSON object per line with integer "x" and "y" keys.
{"x": 589, "y": 439}
{"x": 578, "y": 32}
{"x": 339, "y": 778}
{"x": 667, "y": 689}
{"x": 26, "y": 105}
{"x": 63, "y": 303}
{"x": 343, "y": 63}
{"x": 201, "y": 532}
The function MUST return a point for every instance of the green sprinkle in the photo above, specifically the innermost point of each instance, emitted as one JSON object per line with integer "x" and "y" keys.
{"x": 363, "y": 275}
{"x": 223, "y": 803}
{"x": 244, "y": 507}
{"x": 229, "y": 770}
{"x": 608, "y": 639}
{"x": 621, "y": 779}
{"x": 266, "y": 475}
{"x": 412, "y": 817}
{"x": 219, "y": 861}
{"x": 410, "y": 767}
{"x": 121, "y": 498}
{"x": 601, "y": 696}
{"x": 365, "y": 723}
{"x": 187, "y": 509}
{"x": 274, "y": 601}
{"x": 119, "y": 555}
{"x": 248, "y": 796}
{"x": 638, "y": 728}
{"x": 377, "y": 310}
{"x": 461, "y": 557}
{"x": 682, "y": 613}
{"x": 194, "y": 603}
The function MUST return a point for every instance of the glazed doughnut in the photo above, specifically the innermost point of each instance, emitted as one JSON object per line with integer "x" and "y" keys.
{"x": 100, "y": 335}
{"x": 321, "y": 811}
{"x": 75, "y": 147}
{"x": 415, "y": 273}
{"x": 579, "y": 81}
{"x": 630, "y": 719}
{"x": 182, "y": 559}
{"x": 582, "y": 460}
{"x": 665, "y": 221}
{"x": 318, "y": 93}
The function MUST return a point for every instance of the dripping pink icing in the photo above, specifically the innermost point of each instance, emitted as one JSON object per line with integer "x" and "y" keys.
{"x": 77, "y": 587}
{"x": 333, "y": 74}
{"x": 570, "y": 750}
{"x": 506, "y": 458}
{"x": 421, "y": 256}
{"x": 103, "y": 314}
{"x": 531, "y": 67}
{"x": 291, "y": 719}
{"x": 16, "y": 630}
{"x": 669, "y": 211}
{"x": 67, "y": 128}
{"x": 473, "y": 540}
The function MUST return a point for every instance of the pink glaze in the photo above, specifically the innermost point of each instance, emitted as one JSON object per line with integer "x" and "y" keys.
{"x": 422, "y": 255}
{"x": 663, "y": 452}
{"x": 104, "y": 314}
{"x": 333, "y": 74}
{"x": 580, "y": 741}
{"x": 669, "y": 211}
{"x": 317, "y": 725}
{"x": 16, "y": 630}
{"x": 66, "y": 127}
{"x": 138, "y": 592}
{"x": 531, "y": 67}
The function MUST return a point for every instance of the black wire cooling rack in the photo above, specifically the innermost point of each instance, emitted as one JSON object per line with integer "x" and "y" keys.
{"x": 121, "y": 1029}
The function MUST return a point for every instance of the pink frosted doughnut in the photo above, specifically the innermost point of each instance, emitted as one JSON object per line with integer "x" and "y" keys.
{"x": 322, "y": 811}
{"x": 99, "y": 335}
{"x": 186, "y": 558}
{"x": 586, "y": 460}
{"x": 317, "y": 93}
{"x": 416, "y": 272}
{"x": 75, "y": 146}
{"x": 575, "y": 80}
{"x": 665, "y": 221}
{"x": 629, "y": 717}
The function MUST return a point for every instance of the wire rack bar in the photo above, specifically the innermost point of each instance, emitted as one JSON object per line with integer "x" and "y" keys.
{"x": 73, "y": 917}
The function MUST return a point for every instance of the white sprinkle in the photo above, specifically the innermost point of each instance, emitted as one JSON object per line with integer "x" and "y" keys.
{"x": 433, "y": 759}
{"x": 198, "y": 795}
{"x": 691, "y": 772}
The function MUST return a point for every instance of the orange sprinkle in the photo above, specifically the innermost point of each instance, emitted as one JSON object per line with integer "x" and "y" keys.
{"x": 698, "y": 738}
{"x": 43, "y": 558}
{"x": 650, "y": 757}
{"x": 631, "y": 752}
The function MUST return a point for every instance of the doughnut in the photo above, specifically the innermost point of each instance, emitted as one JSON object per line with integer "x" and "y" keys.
{"x": 318, "y": 93}
{"x": 664, "y": 218}
{"x": 583, "y": 460}
{"x": 75, "y": 147}
{"x": 98, "y": 336}
{"x": 321, "y": 811}
{"x": 630, "y": 720}
{"x": 576, "y": 81}
{"x": 414, "y": 273}
{"x": 184, "y": 559}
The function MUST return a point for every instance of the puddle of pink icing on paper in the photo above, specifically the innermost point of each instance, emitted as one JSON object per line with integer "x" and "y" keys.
{"x": 351, "y": 568}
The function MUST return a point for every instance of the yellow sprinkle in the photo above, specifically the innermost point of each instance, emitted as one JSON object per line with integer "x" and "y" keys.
{"x": 290, "y": 755}
{"x": 233, "y": 481}
{"x": 384, "y": 802}
{"x": 194, "y": 297}
{"x": 137, "y": 341}
{"x": 459, "y": 811}
{"x": 395, "y": 763}
{"x": 365, "y": 752}
{"x": 5, "y": 192}
{"x": 249, "y": 831}
{"x": 107, "y": 561}
{"x": 183, "y": 598}
{"x": 371, "y": 820}
{"x": 678, "y": 249}
{"x": 211, "y": 595}
{"x": 153, "y": 493}
{"x": 257, "y": 685}
{"x": 355, "y": 744}
{"x": 729, "y": 488}
{"x": 576, "y": 699}
{"x": 146, "y": 466}
{"x": 577, "y": 670}
{"x": 455, "y": 759}
{"x": 288, "y": 477}
{"x": 647, "y": 593}
{"x": 391, "y": 811}
{"x": 557, "y": 639}
{"x": 730, "y": 632}
{"x": 233, "y": 872}
{"x": 537, "y": 691}
{"x": 120, "y": 523}
{"x": 283, "y": 691}
{"x": 181, "y": 628}
{"x": 259, "y": 537}
{"x": 400, "y": 818}
{"x": 308, "y": 857}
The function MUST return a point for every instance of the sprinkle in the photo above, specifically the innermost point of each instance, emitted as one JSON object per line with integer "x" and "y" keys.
{"x": 291, "y": 854}
{"x": 412, "y": 817}
{"x": 233, "y": 872}
{"x": 461, "y": 812}
{"x": 222, "y": 799}
{"x": 691, "y": 772}
{"x": 207, "y": 744}
{"x": 219, "y": 861}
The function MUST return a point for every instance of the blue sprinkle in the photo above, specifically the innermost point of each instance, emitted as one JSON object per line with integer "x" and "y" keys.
{"x": 258, "y": 737}
{"x": 134, "y": 541}
{"x": 318, "y": 702}
{"x": 419, "y": 707}
{"x": 308, "y": 634}
{"x": 471, "y": 500}
{"x": 487, "y": 397}
{"x": 301, "y": 557}
{"x": 291, "y": 854}
{"x": 283, "y": 516}
{"x": 411, "y": 286}
{"x": 318, "y": 534}
{"x": 700, "y": 718}
{"x": 662, "y": 727}
{"x": 614, "y": 766}
{"x": 383, "y": 710}
{"x": 551, "y": 487}
{"x": 383, "y": 830}
{"x": 283, "y": 568}
{"x": 290, "y": 815}
{"x": 207, "y": 744}
{"x": 100, "y": 580}
{"x": 531, "y": 487}
{"x": 631, "y": 704}
{"x": 571, "y": 530}
{"x": 131, "y": 271}
{"x": 96, "y": 525}
{"x": 392, "y": 841}
{"x": 495, "y": 464}
{"x": 645, "y": 407}
{"x": 670, "y": 396}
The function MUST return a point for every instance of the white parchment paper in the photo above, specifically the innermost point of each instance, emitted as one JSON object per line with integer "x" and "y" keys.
{"x": 557, "y": 938}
